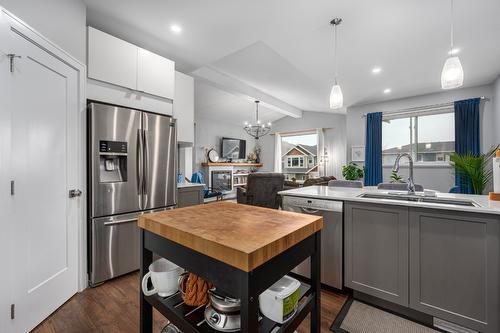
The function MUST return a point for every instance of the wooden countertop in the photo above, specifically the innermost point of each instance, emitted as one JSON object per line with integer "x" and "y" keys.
{"x": 239, "y": 235}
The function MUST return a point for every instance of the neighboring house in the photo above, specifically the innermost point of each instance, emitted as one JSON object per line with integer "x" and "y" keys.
{"x": 426, "y": 152}
{"x": 300, "y": 162}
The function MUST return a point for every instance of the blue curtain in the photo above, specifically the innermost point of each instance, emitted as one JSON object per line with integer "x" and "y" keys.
{"x": 373, "y": 152}
{"x": 466, "y": 136}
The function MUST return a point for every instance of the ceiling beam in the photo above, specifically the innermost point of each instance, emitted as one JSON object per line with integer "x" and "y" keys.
{"x": 236, "y": 87}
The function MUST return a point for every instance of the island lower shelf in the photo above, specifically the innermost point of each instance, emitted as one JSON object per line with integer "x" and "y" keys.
{"x": 182, "y": 315}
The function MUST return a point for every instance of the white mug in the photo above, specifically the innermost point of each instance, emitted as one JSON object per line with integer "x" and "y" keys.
{"x": 164, "y": 276}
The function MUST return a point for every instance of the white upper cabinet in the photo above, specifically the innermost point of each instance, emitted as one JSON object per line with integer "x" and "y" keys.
{"x": 184, "y": 107}
{"x": 115, "y": 61}
{"x": 153, "y": 74}
{"x": 111, "y": 59}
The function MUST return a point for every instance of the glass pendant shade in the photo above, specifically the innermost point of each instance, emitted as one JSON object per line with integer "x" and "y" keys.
{"x": 452, "y": 75}
{"x": 336, "y": 97}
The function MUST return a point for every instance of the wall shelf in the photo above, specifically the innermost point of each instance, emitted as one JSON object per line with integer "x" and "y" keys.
{"x": 256, "y": 165}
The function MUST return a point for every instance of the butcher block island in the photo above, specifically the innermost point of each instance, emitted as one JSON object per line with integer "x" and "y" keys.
{"x": 242, "y": 250}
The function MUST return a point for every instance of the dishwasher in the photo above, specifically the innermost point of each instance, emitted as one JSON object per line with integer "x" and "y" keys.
{"x": 331, "y": 236}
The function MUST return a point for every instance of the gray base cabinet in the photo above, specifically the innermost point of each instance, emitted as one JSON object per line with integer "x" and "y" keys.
{"x": 442, "y": 263}
{"x": 376, "y": 250}
{"x": 189, "y": 196}
{"x": 454, "y": 267}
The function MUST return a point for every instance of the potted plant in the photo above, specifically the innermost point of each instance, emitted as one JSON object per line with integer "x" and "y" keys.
{"x": 352, "y": 171}
{"x": 475, "y": 168}
{"x": 395, "y": 178}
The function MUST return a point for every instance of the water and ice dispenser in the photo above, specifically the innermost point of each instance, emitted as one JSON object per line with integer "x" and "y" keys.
{"x": 112, "y": 161}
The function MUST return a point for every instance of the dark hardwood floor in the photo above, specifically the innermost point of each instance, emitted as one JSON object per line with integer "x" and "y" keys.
{"x": 114, "y": 307}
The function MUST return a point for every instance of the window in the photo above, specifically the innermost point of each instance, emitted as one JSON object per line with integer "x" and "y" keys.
{"x": 298, "y": 158}
{"x": 295, "y": 162}
{"x": 427, "y": 138}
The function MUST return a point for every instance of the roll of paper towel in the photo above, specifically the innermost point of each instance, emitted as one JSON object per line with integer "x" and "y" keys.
{"x": 496, "y": 173}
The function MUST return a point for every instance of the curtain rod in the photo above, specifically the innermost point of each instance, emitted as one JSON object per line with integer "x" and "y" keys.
{"x": 420, "y": 108}
{"x": 298, "y": 132}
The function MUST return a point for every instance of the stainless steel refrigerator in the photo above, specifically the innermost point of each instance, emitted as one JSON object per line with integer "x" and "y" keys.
{"x": 132, "y": 170}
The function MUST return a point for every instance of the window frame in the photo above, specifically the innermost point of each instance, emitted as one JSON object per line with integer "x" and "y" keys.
{"x": 285, "y": 165}
{"x": 413, "y": 116}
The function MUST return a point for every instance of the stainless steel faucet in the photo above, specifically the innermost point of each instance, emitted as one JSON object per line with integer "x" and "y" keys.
{"x": 411, "y": 184}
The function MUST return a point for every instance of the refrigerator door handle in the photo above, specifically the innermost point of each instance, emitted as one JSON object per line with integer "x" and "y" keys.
{"x": 120, "y": 222}
{"x": 145, "y": 178}
{"x": 139, "y": 166}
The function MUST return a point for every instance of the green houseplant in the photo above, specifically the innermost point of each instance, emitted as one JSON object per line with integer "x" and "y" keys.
{"x": 395, "y": 178}
{"x": 352, "y": 171}
{"x": 476, "y": 168}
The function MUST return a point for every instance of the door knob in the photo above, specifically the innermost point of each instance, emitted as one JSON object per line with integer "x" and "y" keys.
{"x": 74, "y": 193}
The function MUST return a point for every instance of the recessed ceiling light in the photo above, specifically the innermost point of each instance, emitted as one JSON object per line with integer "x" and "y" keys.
{"x": 454, "y": 51}
{"x": 175, "y": 28}
{"x": 376, "y": 70}
{"x": 387, "y": 91}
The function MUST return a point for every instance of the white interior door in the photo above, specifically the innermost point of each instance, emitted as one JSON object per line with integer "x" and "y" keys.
{"x": 44, "y": 150}
{"x": 6, "y": 250}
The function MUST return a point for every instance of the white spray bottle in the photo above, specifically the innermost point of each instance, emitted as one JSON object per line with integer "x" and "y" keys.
{"x": 495, "y": 195}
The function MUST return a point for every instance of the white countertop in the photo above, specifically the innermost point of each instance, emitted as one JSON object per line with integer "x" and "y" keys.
{"x": 352, "y": 194}
{"x": 186, "y": 184}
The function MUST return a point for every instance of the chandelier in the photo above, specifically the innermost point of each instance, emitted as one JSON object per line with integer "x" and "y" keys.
{"x": 258, "y": 129}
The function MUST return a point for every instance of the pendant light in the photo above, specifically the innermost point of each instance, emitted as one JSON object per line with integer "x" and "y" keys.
{"x": 452, "y": 75}
{"x": 336, "y": 97}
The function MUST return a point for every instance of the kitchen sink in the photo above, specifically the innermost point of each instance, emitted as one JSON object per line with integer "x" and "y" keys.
{"x": 419, "y": 198}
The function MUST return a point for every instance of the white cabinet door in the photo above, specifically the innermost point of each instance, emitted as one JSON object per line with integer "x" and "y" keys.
{"x": 44, "y": 96}
{"x": 111, "y": 59}
{"x": 184, "y": 107}
{"x": 109, "y": 93}
{"x": 155, "y": 74}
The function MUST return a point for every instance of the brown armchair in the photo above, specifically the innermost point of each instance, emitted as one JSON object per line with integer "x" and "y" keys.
{"x": 262, "y": 190}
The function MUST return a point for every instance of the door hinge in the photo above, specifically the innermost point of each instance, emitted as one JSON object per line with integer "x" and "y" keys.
{"x": 12, "y": 311}
{"x": 11, "y": 57}
{"x": 74, "y": 193}
{"x": 12, "y": 187}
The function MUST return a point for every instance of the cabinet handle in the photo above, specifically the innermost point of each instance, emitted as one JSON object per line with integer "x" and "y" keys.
{"x": 309, "y": 210}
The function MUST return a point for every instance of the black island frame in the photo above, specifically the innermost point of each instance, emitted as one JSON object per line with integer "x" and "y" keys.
{"x": 235, "y": 282}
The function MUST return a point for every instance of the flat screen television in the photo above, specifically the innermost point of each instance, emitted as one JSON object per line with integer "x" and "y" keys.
{"x": 233, "y": 149}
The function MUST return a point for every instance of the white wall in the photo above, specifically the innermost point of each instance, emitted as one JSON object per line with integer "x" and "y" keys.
{"x": 208, "y": 133}
{"x": 61, "y": 21}
{"x": 438, "y": 178}
{"x": 186, "y": 161}
{"x": 335, "y": 135}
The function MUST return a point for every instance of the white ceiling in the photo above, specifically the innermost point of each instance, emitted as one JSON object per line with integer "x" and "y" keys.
{"x": 214, "y": 103}
{"x": 284, "y": 47}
